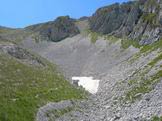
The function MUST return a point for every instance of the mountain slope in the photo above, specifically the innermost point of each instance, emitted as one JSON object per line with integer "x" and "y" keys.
{"x": 120, "y": 45}
{"x": 27, "y": 82}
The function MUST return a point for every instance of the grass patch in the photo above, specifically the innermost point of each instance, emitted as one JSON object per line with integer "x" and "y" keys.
{"x": 94, "y": 37}
{"x": 111, "y": 39}
{"x": 154, "y": 61}
{"x": 136, "y": 92}
{"x": 147, "y": 49}
{"x": 144, "y": 86}
{"x": 126, "y": 43}
{"x": 131, "y": 82}
{"x": 151, "y": 47}
{"x": 150, "y": 18}
{"x": 156, "y": 118}
{"x": 5, "y": 30}
{"x": 58, "y": 113}
{"x": 23, "y": 89}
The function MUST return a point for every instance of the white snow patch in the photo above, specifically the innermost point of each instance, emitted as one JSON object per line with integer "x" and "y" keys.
{"x": 88, "y": 83}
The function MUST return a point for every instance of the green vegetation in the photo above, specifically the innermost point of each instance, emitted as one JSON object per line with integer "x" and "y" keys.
{"x": 59, "y": 113}
{"x": 131, "y": 82}
{"x": 157, "y": 75}
{"x": 14, "y": 35}
{"x": 4, "y": 30}
{"x": 156, "y": 118}
{"x": 94, "y": 36}
{"x": 153, "y": 62}
{"x": 111, "y": 39}
{"x": 150, "y": 18}
{"x": 24, "y": 88}
{"x": 2, "y": 41}
{"x": 151, "y": 47}
{"x": 137, "y": 91}
{"x": 126, "y": 43}
{"x": 147, "y": 49}
{"x": 152, "y": 3}
{"x": 142, "y": 87}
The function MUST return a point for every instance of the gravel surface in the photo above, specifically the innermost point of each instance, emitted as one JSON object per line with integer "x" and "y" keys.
{"x": 109, "y": 63}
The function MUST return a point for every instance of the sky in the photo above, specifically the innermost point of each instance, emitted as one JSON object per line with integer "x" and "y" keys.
{"x": 21, "y": 13}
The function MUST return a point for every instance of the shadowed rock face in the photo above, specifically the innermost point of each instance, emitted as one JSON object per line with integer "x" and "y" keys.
{"x": 56, "y": 30}
{"x": 136, "y": 20}
{"x": 111, "y": 18}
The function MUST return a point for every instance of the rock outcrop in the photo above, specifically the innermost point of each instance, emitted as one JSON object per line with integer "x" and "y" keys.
{"x": 21, "y": 54}
{"x": 137, "y": 20}
{"x": 57, "y": 30}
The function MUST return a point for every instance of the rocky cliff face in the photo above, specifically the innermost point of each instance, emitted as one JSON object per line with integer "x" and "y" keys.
{"x": 56, "y": 30}
{"x": 136, "y": 20}
{"x": 111, "y": 18}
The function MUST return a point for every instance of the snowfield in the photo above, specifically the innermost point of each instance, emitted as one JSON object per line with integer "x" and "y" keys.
{"x": 88, "y": 83}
